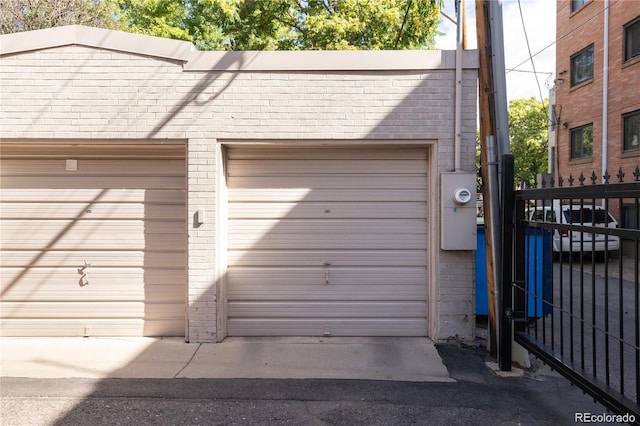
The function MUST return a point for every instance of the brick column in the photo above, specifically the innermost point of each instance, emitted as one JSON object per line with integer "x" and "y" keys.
{"x": 201, "y": 266}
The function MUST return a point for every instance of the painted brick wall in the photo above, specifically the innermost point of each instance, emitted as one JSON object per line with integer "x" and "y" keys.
{"x": 81, "y": 92}
{"x": 583, "y": 104}
{"x": 77, "y": 92}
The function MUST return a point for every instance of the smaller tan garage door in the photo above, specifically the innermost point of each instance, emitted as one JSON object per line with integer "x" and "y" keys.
{"x": 327, "y": 241}
{"x": 121, "y": 212}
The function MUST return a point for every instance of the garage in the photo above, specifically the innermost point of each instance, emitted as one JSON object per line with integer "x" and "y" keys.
{"x": 327, "y": 241}
{"x": 93, "y": 239}
{"x": 216, "y": 194}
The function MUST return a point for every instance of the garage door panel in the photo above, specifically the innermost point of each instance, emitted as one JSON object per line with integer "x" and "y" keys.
{"x": 95, "y": 211}
{"x": 89, "y": 182}
{"x": 345, "y": 210}
{"x": 92, "y": 293}
{"x": 100, "y": 240}
{"x": 82, "y": 227}
{"x": 324, "y": 226}
{"x": 324, "y": 309}
{"x": 314, "y": 292}
{"x": 126, "y": 327}
{"x": 329, "y": 182}
{"x": 32, "y": 278}
{"x": 121, "y": 258}
{"x": 92, "y": 309}
{"x": 258, "y": 258}
{"x": 90, "y": 234}
{"x": 323, "y": 167}
{"x": 318, "y": 275}
{"x": 333, "y": 327}
{"x": 90, "y": 150}
{"x": 91, "y": 167}
{"x": 323, "y": 153}
{"x": 307, "y": 194}
{"x": 328, "y": 241}
{"x": 113, "y": 195}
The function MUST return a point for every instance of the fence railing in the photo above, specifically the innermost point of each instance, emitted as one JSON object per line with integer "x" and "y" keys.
{"x": 576, "y": 290}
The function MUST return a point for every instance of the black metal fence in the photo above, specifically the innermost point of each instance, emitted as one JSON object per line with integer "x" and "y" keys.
{"x": 575, "y": 288}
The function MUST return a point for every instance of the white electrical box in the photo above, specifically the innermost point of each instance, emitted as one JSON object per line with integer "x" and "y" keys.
{"x": 458, "y": 226}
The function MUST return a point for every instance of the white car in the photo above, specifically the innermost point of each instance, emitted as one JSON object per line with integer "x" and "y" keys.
{"x": 580, "y": 215}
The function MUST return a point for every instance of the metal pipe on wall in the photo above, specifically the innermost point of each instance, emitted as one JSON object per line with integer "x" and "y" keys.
{"x": 499, "y": 78}
{"x": 605, "y": 89}
{"x": 457, "y": 136}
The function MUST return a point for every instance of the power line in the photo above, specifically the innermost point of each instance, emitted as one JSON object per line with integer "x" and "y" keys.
{"x": 404, "y": 21}
{"x": 530, "y": 72}
{"x": 526, "y": 37}
{"x": 564, "y": 36}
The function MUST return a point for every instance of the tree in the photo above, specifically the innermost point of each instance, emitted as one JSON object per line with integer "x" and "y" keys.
{"x": 244, "y": 24}
{"x": 287, "y": 24}
{"x": 528, "y": 131}
{"x": 27, "y": 15}
{"x": 159, "y": 18}
{"x": 479, "y": 182}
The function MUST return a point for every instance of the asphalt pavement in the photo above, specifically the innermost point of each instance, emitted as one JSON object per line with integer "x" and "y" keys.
{"x": 473, "y": 394}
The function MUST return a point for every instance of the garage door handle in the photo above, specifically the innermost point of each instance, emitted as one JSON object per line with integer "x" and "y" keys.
{"x": 326, "y": 272}
{"x": 84, "y": 274}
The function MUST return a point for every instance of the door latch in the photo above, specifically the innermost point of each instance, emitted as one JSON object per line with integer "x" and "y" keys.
{"x": 84, "y": 273}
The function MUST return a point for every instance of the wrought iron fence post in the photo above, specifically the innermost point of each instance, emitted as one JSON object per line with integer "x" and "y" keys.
{"x": 508, "y": 221}
{"x": 519, "y": 267}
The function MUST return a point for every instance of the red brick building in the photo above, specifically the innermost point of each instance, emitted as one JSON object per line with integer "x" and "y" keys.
{"x": 597, "y": 106}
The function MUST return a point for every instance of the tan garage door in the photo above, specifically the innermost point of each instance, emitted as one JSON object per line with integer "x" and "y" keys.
{"x": 124, "y": 215}
{"x": 327, "y": 241}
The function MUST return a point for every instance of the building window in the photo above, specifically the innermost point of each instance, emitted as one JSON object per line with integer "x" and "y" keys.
{"x": 582, "y": 66}
{"x": 632, "y": 40}
{"x": 582, "y": 142}
{"x": 631, "y": 131}
{"x": 631, "y": 216}
{"x": 577, "y": 4}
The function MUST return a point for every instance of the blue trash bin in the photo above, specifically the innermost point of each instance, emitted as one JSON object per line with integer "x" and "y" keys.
{"x": 539, "y": 267}
{"x": 482, "y": 301}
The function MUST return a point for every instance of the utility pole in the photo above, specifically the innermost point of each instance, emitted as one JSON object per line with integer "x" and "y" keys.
{"x": 494, "y": 149}
{"x": 494, "y": 143}
{"x": 488, "y": 159}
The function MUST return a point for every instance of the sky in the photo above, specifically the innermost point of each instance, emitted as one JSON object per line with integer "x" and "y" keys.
{"x": 539, "y": 18}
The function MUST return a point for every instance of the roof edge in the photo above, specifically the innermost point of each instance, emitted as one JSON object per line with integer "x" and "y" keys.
{"x": 329, "y": 60}
{"x": 95, "y": 37}
{"x": 238, "y": 61}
